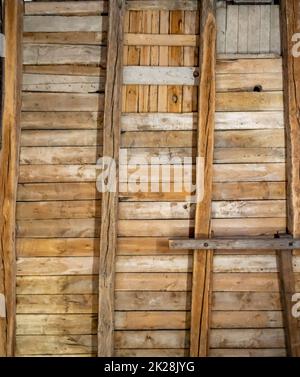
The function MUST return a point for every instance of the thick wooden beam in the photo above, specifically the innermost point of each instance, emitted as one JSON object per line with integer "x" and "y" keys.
{"x": 287, "y": 243}
{"x": 111, "y": 143}
{"x": 290, "y": 20}
{"x": 9, "y": 159}
{"x": 205, "y": 143}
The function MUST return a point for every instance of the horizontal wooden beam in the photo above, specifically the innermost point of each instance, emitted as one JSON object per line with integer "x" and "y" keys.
{"x": 285, "y": 243}
{"x": 162, "y": 5}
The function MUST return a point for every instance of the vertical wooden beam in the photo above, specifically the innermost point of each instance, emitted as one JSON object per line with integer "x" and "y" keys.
{"x": 9, "y": 161}
{"x": 205, "y": 143}
{"x": 111, "y": 142}
{"x": 290, "y": 22}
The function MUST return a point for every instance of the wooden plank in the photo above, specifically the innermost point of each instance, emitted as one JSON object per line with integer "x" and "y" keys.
{"x": 236, "y": 244}
{"x": 66, "y": 38}
{"x": 13, "y": 13}
{"x": 62, "y": 102}
{"x": 253, "y": 29}
{"x": 57, "y": 304}
{"x": 61, "y": 138}
{"x": 240, "y": 282}
{"x": 160, "y": 40}
{"x": 59, "y": 191}
{"x": 69, "y": 8}
{"x": 242, "y": 47}
{"x": 205, "y": 142}
{"x": 56, "y": 344}
{"x": 111, "y": 142}
{"x": 247, "y": 338}
{"x": 290, "y": 26}
{"x": 275, "y": 37}
{"x": 63, "y": 54}
{"x": 62, "y": 83}
{"x": 151, "y": 339}
{"x": 73, "y": 228}
{"x": 65, "y": 24}
{"x": 231, "y": 29}
{"x": 139, "y": 300}
{"x": 242, "y": 65}
{"x": 245, "y": 301}
{"x": 245, "y": 101}
{"x": 138, "y": 75}
{"x": 56, "y": 324}
{"x": 221, "y": 32}
{"x": 60, "y": 155}
{"x": 177, "y": 352}
{"x": 58, "y": 210}
{"x": 65, "y": 69}
{"x": 153, "y": 282}
{"x": 265, "y": 28}
{"x": 250, "y": 352}
{"x": 156, "y": 320}
{"x": 54, "y": 247}
{"x": 61, "y": 120}
{"x": 162, "y": 5}
{"x": 36, "y": 287}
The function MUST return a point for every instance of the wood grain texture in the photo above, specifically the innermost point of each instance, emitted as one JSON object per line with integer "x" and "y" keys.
{"x": 9, "y": 169}
{"x": 290, "y": 18}
{"x": 205, "y": 145}
{"x": 111, "y": 142}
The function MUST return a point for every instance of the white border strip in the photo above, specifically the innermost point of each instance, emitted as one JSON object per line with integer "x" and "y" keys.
{"x": 2, "y": 306}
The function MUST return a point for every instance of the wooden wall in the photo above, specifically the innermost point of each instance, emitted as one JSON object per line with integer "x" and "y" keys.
{"x": 248, "y": 29}
{"x": 58, "y": 209}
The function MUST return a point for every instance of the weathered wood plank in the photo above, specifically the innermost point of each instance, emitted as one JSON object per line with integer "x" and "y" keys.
{"x": 63, "y": 54}
{"x": 54, "y": 247}
{"x": 62, "y": 83}
{"x": 236, "y": 244}
{"x": 137, "y": 75}
{"x": 56, "y": 324}
{"x": 132, "y": 39}
{"x": 188, "y": 121}
{"x": 111, "y": 145}
{"x": 247, "y": 338}
{"x": 59, "y": 138}
{"x": 59, "y": 210}
{"x": 56, "y": 344}
{"x": 9, "y": 162}
{"x": 202, "y": 265}
{"x": 66, "y": 38}
{"x": 151, "y": 339}
{"x": 62, "y": 102}
{"x": 60, "y": 155}
{"x": 291, "y": 68}
{"x": 162, "y": 5}
{"x": 57, "y": 304}
{"x": 58, "y": 191}
{"x": 66, "y": 8}
{"x": 156, "y": 320}
{"x": 31, "y": 286}
{"x": 65, "y": 24}
{"x": 61, "y": 120}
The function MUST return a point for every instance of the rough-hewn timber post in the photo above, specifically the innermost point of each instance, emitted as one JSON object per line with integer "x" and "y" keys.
{"x": 111, "y": 142}
{"x": 203, "y": 260}
{"x": 290, "y": 21}
{"x": 9, "y": 160}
